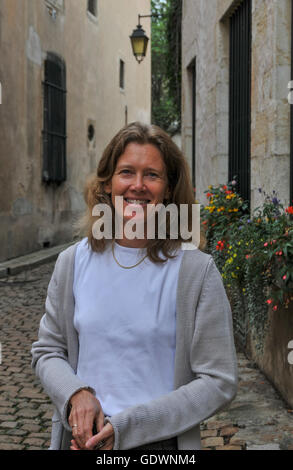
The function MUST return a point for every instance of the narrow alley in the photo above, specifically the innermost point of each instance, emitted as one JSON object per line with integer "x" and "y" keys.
{"x": 256, "y": 419}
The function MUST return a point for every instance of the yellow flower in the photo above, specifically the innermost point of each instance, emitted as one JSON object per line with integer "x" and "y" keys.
{"x": 234, "y": 256}
{"x": 243, "y": 290}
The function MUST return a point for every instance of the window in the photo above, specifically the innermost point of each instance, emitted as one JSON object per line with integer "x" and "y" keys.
{"x": 192, "y": 81}
{"x": 240, "y": 94}
{"x": 92, "y": 7}
{"x": 54, "y": 132}
{"x": 121, "y": 74}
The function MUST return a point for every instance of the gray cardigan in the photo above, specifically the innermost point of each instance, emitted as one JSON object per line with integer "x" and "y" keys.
{"x": 205, "y": 359}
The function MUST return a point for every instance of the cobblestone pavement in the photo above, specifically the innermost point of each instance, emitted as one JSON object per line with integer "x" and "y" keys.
{"x": 257, "y": 418}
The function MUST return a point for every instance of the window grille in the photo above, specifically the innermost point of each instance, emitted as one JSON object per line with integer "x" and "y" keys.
{"x": 54, "y": 132}
{"x": 240, "y": 96}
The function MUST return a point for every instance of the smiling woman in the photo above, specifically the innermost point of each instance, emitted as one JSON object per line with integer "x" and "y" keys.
{"x": 136, "y": 346}
{"x": 143, "y": 165}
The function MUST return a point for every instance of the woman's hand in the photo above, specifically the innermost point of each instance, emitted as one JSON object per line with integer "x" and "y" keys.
{"x": 85, "y": 411}
{"x": 104, "y": 440}
{"x": 106, "y": 435}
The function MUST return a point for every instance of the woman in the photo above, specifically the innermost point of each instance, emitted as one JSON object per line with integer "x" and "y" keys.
{"x": 136, "y": 346}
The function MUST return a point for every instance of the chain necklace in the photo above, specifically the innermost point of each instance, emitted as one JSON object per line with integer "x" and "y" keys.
{"x": 126, "y": 267}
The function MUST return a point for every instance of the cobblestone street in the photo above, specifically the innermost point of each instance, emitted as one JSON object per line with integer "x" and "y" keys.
{"x": 257, "y": 418}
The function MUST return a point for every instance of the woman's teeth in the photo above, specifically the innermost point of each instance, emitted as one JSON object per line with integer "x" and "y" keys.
{"x": 136, "y": 201}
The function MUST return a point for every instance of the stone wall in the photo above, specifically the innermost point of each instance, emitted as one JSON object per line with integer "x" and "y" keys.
{"x": 32, "y": 213}
{"x": 273, "y": 360}
{"x": 205, "y": 37}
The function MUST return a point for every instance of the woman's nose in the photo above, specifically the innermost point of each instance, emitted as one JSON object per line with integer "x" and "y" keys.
{"x": 138, "y": 182}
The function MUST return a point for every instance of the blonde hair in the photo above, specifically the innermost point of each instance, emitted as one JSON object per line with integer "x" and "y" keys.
{"x": 179, "y": 182}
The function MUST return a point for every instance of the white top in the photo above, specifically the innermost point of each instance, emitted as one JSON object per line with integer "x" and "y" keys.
{"x": 126, "y": 322}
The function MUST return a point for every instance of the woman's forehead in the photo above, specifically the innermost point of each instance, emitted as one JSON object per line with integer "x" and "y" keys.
{"x": 141, "y": 154}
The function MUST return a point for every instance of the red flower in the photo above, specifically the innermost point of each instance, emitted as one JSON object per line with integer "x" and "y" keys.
{"x": 209, "y": 195}
{"x": 265, "y": 244}
{"x": 269, "y": 301}
{"x": 220, "y": 245}
{"x": 275, "y": 307}
{"x": 289, "y": 210}
{"x": 284, "y": 277}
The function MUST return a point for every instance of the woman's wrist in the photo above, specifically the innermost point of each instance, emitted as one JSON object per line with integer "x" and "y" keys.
{"x": 83, "y": 391}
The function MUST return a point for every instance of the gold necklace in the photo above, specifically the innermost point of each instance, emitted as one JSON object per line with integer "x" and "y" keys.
{"x": 126, "y": 267}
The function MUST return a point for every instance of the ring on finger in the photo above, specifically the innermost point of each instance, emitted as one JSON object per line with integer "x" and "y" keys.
{"x": 100, "y": 444}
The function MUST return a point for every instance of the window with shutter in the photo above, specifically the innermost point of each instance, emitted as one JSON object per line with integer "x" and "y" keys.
{"x": 54, "y": 132}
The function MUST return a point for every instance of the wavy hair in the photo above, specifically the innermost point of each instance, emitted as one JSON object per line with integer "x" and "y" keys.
{"x": 179, "y": 182}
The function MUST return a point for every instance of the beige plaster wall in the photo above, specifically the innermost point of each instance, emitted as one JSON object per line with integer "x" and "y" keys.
{"x": 33, "y": 213}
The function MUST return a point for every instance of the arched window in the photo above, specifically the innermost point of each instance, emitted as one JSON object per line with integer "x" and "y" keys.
{"x": 54, "y": 132}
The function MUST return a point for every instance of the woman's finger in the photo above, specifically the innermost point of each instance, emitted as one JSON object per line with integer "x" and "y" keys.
{"x": 100, "y": 421}
{"x": 104, "y": 435}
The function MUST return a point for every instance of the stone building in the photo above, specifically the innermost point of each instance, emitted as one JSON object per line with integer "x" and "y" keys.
{"x": 236, "y": 67}
{"x": 69, "y": 81}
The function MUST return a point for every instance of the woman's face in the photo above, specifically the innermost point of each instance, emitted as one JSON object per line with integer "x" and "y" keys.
{"x": 140, "y": 178}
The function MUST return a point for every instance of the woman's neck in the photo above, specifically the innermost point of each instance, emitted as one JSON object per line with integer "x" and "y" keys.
{"x": 136, "y": 243}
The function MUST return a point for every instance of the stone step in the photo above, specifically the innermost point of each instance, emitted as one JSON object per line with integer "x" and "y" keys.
{"x": 32, "y": 260}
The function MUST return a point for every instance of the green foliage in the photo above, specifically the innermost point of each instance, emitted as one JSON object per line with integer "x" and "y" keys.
{"x": 166, "y": 64}
{"x": 254, "y": 254}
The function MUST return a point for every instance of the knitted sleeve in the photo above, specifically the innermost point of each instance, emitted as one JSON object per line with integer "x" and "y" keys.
{"x": 50, "y": 355}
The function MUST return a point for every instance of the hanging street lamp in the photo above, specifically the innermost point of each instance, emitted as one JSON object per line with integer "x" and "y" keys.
{"x": 139, "y": 40}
